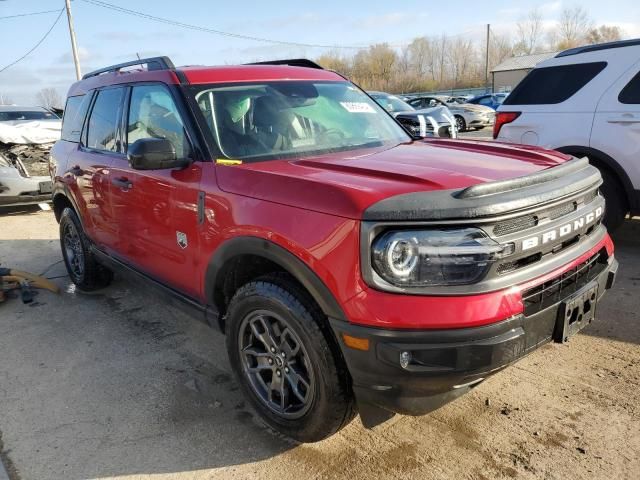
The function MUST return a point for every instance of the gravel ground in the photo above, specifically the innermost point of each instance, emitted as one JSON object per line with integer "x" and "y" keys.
{"x": 118, "y": 385}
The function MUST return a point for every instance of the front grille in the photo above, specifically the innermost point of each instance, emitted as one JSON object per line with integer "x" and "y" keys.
{"x": 515, "y": 225}
{"x": 538, "y": 298}
{"x": 518, "y": 224}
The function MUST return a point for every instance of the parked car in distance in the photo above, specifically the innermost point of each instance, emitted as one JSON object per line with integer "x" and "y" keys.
{"x": 435, "y": 121}
{"x": 585, "y": 102}
{"x": 468, "y": 116}
{"x": 26, "y": 135}
{"x": 352, "y": 268}
{"x": 493, "y": 100}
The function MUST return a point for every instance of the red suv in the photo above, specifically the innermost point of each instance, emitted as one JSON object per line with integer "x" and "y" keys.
{"x": 351, "y": 267}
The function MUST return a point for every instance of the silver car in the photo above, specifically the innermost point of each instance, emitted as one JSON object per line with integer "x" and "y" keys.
{"x": 26, "y": 136}
{"x": 436, "y": 121}
{"x": 468, "y": 116}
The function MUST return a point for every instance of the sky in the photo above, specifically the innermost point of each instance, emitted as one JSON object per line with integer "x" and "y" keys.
{"x": 106, "y": 37}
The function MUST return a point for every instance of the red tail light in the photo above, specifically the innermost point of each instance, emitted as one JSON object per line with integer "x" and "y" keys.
{"x": 503, "y": 118}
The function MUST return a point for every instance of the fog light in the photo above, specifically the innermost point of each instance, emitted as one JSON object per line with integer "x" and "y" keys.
{"x": 405, "y": 359}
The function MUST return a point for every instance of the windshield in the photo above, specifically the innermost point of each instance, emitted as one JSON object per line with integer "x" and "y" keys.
{"x": 27, "y": 115}
{"x": 391, "y": 103}
{"x": 272, "y": 120}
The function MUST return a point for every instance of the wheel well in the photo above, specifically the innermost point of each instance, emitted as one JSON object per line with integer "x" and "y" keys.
{"x": 236, "y": 272}
{"x": 60, "y": 202}
{"x": 604, "y": 163}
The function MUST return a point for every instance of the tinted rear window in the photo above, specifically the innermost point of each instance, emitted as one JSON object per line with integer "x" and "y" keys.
{"x": 74, "y": 113}
{"x": 551, "y": 85}
{"x": 631, "y": 92}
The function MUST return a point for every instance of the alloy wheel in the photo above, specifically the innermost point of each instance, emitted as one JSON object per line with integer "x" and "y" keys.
{"x": 276, "y": 363}
{"x": 73, "y": 250}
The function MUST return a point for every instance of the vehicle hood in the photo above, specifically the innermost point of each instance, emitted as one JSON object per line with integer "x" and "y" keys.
{"x": 30, "y": 131}
{"x": 348, "y": 183}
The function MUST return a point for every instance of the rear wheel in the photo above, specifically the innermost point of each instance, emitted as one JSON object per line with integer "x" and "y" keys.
{"x": 461, "y": 125}
{"x": 290, "y": 371}
{"x": 81, "y": 265}
{"x": 616, "y": 201}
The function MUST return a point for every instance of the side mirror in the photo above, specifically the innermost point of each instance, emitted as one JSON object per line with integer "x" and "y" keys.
{"x": 154, "y": 154}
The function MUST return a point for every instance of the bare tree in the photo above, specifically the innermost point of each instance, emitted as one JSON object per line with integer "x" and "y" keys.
{"x": 604, "y": 33}
{"x": 530, "y": 31}
{"x": 572, "y": 28}
{"x": 461, "y": 56}
{"x": 335, "y": 61}
{"x": 5, "y": 99}
{"x": 49, "y": 97}
{"x": 500, "y": 48}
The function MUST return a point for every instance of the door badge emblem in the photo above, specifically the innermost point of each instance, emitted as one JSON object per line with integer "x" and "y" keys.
{"x": 181, "y": 238}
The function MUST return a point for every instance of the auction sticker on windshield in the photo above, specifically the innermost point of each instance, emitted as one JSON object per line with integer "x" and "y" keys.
{"x": 357, "y": 107}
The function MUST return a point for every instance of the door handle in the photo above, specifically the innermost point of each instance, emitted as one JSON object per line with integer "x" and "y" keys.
{"x": 76, "y": 171}
{"x": 123, "y": 183}
{"x": 628, "y": 118}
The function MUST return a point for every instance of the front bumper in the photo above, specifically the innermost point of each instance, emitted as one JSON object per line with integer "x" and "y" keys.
{"x": 27, "y": 199}
{"x": 449, "y": 362}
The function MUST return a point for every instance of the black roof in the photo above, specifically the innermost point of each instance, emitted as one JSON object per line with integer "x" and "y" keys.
{"x": 599, "y": 46}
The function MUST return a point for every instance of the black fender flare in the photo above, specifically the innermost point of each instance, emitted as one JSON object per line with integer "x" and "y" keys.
{"x": 248, "y": 245}
{"x": 610, "y": 163}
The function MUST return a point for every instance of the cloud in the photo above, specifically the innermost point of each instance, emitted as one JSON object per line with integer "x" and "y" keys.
{"x": 83, "y": 54}
{"x": 387, "y": 20}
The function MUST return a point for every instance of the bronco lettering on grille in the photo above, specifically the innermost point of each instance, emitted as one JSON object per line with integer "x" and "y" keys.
{"x": 562, "y": 231}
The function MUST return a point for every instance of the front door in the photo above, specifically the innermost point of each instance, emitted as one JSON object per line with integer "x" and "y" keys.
{"x": 163, "y": 237}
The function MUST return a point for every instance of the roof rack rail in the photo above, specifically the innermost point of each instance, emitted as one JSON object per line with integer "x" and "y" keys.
{"x": 293, "y": 62}
{"x": 152, "y": 63}
{"x": 599, "y": 46}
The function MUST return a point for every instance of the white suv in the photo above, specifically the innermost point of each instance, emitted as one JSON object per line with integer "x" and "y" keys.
{"x": 585, "y": 102}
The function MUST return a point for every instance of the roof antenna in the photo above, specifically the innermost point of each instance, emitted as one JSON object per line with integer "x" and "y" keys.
{"x": 138, "y": 55}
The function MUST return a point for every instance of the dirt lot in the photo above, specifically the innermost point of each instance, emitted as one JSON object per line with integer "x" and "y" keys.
{"x": 118, "y": 385}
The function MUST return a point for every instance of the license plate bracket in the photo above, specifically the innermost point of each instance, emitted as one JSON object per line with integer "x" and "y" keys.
{"x": 45, "y": 187}
{"x": 576, "y": 312}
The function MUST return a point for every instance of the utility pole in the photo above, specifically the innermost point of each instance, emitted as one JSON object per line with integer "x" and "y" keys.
{"x": 486, "y": 62}
{"x": 74, "y": 47}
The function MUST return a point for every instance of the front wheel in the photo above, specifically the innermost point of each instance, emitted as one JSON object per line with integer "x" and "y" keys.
{"x": 616, "y": 207}
{"x": 81, "y": 265}
{"x": 461, "y": 125}
{"x": 287, "y": 365}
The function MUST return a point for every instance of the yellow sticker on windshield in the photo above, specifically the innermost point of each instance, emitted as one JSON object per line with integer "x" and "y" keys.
{"x": 228, "y": 161}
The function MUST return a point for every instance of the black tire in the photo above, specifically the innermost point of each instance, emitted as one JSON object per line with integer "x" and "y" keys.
{"x": 616, "y": 207}
{"x": 83, "y": 268}
{"x": 461, "y": 125}
{"x": 281, "y": 303}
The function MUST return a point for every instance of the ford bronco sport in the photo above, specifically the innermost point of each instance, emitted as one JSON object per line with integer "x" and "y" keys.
{"x": 351, "y": 267}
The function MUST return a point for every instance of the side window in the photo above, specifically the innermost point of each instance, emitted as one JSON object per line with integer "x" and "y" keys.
{"x": 485, "y": 101}
{"x": 551, "y": 85}
{"x": 417, "y": 103}
{"x": 74, "y": 113}
{"x": 630, "y": 94}
{"x": 102, "y": 131}
{"x": 153, "y": 114}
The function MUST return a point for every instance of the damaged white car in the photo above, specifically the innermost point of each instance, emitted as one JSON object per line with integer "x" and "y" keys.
{"x": 26, "y": 137}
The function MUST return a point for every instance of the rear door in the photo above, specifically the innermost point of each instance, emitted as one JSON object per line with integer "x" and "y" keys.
{"x": 163, "y": 231}
{"x": 89, "y": 165}
{"x": 616, "y": 128}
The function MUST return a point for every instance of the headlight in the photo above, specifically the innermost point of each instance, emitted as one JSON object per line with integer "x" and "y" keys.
{"x": 423, "y": 258}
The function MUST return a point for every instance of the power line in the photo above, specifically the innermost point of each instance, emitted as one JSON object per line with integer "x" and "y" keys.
{"x": 28, "y": 14}
{"x": 36, "y": 45}
{"x": 167, "y": 21}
